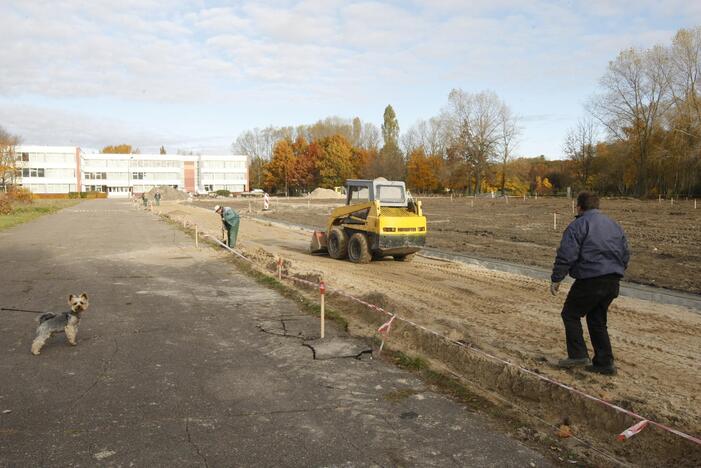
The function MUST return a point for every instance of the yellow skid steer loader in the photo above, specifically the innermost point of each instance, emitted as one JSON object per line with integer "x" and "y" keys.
{"x": 379, "y": 219}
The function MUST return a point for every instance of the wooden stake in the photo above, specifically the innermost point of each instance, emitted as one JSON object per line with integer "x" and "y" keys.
{"x": 279, "y": 268}
{"x": 472, "y": 203}
{"x": 555, "y": 221}
{"x": 573, "y": 206}
{"x": 322, "y": 292}
{"x": 694, "y": 203}
{"x": 671, "y": 201}
{"x": 197, "y": 237}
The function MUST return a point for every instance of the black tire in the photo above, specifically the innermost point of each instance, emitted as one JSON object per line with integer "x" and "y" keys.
{"x": 404, "y": 258}
{"x": 337, "y": 243}
{"x": 358, "y": 248}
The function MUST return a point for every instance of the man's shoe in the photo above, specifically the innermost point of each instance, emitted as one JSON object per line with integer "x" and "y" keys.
{"x": 571, "y": 362}
{"x": 604, "y": 370}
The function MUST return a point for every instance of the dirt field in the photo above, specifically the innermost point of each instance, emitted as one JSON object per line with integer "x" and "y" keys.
{"x": 665, "y": 239}
{"x": 657, "y": 347}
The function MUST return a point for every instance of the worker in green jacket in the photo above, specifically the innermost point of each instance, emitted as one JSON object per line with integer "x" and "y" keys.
{"x": 230, "y": 222}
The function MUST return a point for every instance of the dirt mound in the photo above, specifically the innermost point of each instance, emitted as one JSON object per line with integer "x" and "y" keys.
{"x": 167, "y": 193}
{"x": 325, "y": 193}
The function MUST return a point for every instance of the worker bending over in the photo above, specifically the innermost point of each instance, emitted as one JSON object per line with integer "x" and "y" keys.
{"x": 230, "y": 222}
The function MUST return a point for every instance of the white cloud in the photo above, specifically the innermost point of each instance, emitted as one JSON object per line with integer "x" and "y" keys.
{"x": 331, "y": 53}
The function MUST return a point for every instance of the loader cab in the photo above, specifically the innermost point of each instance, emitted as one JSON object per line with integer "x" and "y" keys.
{"x": 388, "y": 193}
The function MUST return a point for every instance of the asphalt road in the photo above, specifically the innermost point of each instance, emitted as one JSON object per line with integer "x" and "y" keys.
{"x": 177, "y": 364}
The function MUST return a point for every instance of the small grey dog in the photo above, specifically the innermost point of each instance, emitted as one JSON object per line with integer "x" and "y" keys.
{"x": 67, "y": 322}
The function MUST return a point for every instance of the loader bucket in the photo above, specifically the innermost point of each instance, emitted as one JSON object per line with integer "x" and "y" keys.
{"x": 318, "y": 244}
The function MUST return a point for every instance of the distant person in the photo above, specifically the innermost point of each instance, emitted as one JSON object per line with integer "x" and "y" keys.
{"x": 593, "y": 251}
{"x": 230, "y": 222}
{"x": 157, "y": 197}
{"x": 144, "y": 199}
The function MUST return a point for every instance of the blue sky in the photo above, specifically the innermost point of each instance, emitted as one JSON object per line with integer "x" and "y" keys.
{"x": 194, "y": 74}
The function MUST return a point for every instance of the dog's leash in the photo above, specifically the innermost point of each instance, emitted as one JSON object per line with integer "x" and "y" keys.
{"x": 25, "y": 310}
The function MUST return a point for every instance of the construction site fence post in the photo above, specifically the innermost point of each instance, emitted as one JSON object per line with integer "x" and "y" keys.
{"x": 322, "y": 292}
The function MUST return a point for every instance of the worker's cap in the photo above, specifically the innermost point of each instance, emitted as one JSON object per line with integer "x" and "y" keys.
{"x": 217, "y": 208}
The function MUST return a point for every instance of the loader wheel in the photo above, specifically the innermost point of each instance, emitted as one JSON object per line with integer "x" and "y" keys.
{"x": 358, "y": 250}
{"x": 337, "y": 243}
{"x": 404, "y": 258}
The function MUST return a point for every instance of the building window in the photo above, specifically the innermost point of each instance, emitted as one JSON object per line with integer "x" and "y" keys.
{"x": 137, "y": 175}
{"x": 33, "y": 172}
{"x": 209, "y": 188}
{"x": 25, "y": 156}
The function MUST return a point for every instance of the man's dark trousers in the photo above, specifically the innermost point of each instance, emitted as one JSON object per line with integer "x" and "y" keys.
{"x": 591, "y": 298}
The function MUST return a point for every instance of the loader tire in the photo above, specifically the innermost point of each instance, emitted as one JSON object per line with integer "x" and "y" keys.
{"x": 404, "y": 258}
{"x": 337, "y": 243}
{"x": 358, "y": 248}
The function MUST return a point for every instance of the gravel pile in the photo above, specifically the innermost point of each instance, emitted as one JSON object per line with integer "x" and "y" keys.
{"x": 320, "y": 193}
{"x": 167, "y": 193}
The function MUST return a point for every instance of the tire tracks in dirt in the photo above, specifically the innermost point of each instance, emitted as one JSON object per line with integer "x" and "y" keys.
{"x": 657, "y": 346}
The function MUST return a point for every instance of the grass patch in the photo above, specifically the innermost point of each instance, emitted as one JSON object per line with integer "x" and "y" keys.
{"x": 414, "y": 363}
{"x": 23, "y": 213}
{"x": 399, "y": 395}
{"x": 445, "y": 383}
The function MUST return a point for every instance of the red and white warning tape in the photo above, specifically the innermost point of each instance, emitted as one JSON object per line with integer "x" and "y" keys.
{"x": 385, "y": 329}
{"x": 632, "y": 430}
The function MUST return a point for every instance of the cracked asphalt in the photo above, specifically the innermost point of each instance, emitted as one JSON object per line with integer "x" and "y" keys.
{"x": 172, "y": 367}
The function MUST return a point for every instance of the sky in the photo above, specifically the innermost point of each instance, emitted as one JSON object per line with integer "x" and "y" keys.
{"x": 193, "y": 75}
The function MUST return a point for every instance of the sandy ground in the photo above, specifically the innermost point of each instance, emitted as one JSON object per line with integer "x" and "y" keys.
{"x": 657, "y": 347}
{"x": 664, "y": 237}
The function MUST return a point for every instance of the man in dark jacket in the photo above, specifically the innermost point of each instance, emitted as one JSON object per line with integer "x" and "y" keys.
{"x": 593, "y": 251}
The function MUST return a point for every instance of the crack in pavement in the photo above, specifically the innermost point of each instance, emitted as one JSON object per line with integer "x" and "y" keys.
{"x": 105, "y": 367}
{"x": 284, "y": 326}
{"x": 193, "y": 444}
{"x": 292, "y": 411}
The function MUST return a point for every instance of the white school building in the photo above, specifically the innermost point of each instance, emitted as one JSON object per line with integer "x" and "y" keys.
{"x": 63, "y": 169}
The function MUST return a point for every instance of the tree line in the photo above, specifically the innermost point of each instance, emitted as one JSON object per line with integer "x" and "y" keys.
{"x": 641, "y": 135}
{"x": 649, "y": 107}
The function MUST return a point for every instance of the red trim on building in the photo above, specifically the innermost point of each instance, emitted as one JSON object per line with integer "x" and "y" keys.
{"x": 77, "y": 170}
{"x": 189, "y": 175}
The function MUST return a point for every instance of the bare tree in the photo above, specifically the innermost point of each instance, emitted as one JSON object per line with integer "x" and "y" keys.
{"x": 580, "y": 147}
{"x": 8, "y": 159}
{"x": 370, "y": 137}
{"x": 510, "y": 131}
{"x": 685, "y": 120}
{"x": 475, "y": 128}
{"x": 636, "y": 87}
{"x": 426, "y": 134}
